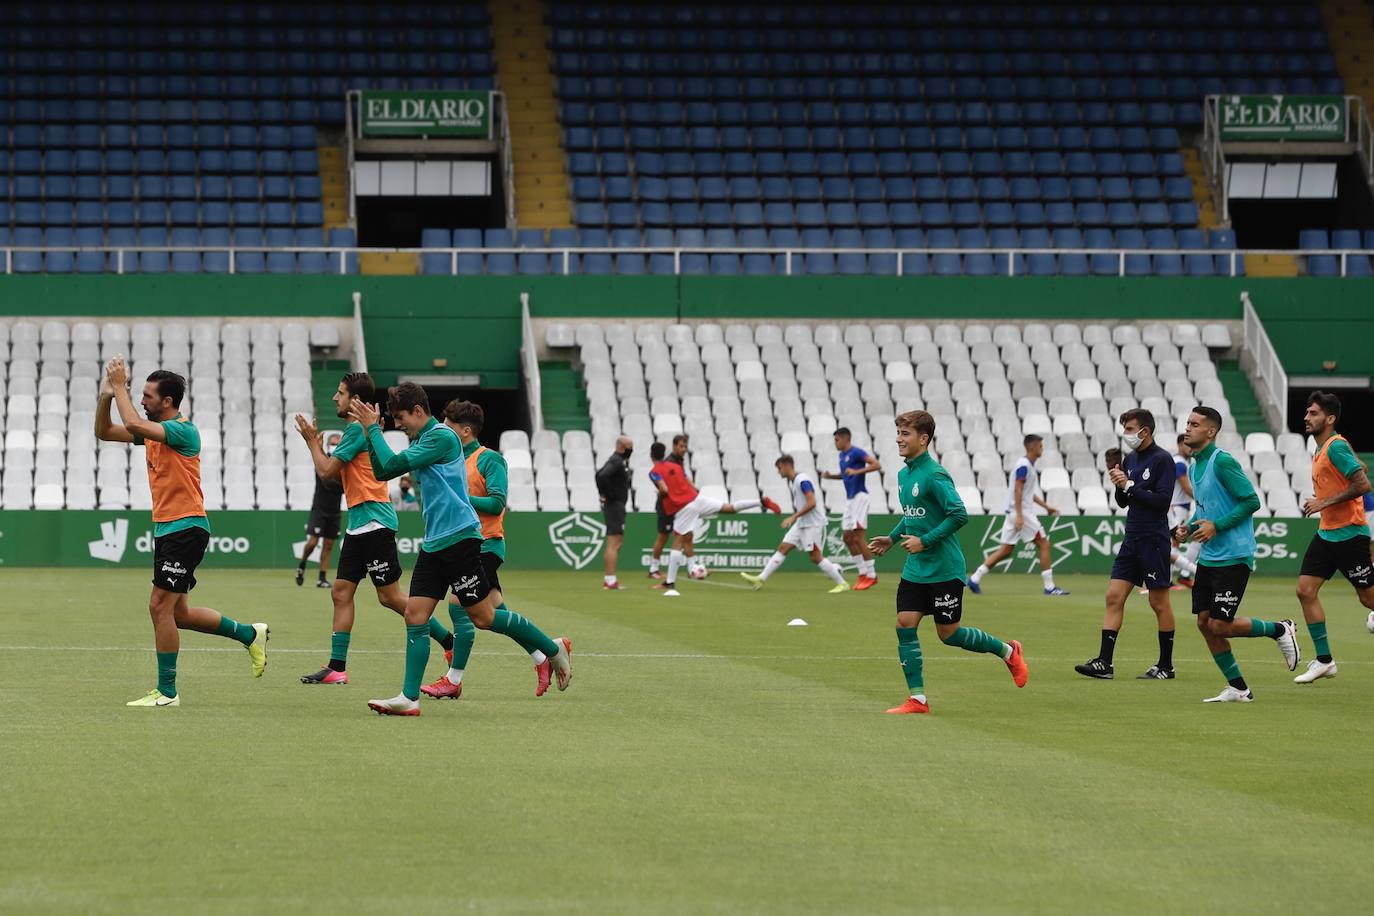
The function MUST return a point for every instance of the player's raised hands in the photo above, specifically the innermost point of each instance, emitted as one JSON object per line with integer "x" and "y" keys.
{"x": 117, "y": 373}
{"x": 306, "y": 427}
{"x": 1118, "y": 477}
{"x": 363, "y": 412}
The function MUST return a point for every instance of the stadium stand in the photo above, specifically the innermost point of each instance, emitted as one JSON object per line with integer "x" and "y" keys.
{"x": 244, "y": 385}
{"x": 196, "y": 125}
{"x": 747, "y": 393}
{"x": 891, "y": 126}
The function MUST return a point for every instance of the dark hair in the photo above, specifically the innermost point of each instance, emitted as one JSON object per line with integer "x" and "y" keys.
{"x": 361, "y": 386}
{"x": 784, "y": 459}
{"x": 169, "y": 385}
{"x": 680, "y": 437}
{"x": 1326, "y": 402}
{"x": 1031, "y": 439}
{"x": 1211, "y": 414}
{"x": 407, "y": 396}
{"x": 1112, "y": 457}
{"x": 1141, "y": 416}
{"x": 465, "y": 413}
{"x": 919, "y": 421}
{"x": 844, "y": 431}
{"x": 657, "y": 451}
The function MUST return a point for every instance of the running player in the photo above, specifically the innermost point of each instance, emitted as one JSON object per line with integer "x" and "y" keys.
{"x": 1022, "y": 524}
{"x": 322, "y": 528}
{"x": 1144, "y": 487}
{"x": 369, "y": 547}
{"x": 933, "y": 574}
{"x": 450, "y": 557}
{"x": 181, "y": 531}
{"x": 687, "y": 506}
{"x": 1342, "y": 540}
{"x": 487, "y": 487}
{"x": 854, "y": 464}
{"x": 1181, "y": 507}
{"x": 805, "y": 529}
{"x": 665, "y": 519}
{"x": 1224, "y": 527}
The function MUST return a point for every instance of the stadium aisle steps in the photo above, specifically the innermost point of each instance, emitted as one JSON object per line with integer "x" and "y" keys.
{"x": 564, "y": 397}
{"x": 1350, "y": 24}
{"x": 1202, "y": 192}
{"x": 324, "y": 382}
{"x": 384, "y": 263}
{"x": 333, "y": 186}
{"x": 1271, "y": 265}
{"x": 523, "y": 70}
{"x": 1245, "y": 406}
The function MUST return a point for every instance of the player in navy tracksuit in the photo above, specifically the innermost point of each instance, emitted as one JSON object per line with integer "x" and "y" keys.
{"x": 1145, "y": 488}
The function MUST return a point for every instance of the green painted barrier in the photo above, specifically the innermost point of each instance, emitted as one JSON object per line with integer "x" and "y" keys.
{"x": 572, "y": 540}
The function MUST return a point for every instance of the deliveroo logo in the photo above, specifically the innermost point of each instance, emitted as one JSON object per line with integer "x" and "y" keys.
{"x": 577, "y": 539}
{"x": 114, "y": 537}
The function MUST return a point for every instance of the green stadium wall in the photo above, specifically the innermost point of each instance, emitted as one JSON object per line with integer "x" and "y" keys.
{"x": 567, "y": 541}
{"x": 410, "y": 321}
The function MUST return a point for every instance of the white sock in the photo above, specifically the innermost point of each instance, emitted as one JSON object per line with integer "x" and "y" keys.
{"x": 1185, "y": 566}
{"x": 675, "y": 561}
{"x": 653, "y": 564}
{"x": 1047, "y": 577}
{"x": 455, "y": 675}
{"x": 609, "y": 580}
{"x": 538, "y": 657}
{"x": 1006, "y": 651}
{"x": 772, "y": 565}
{"x": 742, "y": 504}
{"x": 919, "y": 697}
{"x": 979, "y": 573}
{"x": 831, "y": 570}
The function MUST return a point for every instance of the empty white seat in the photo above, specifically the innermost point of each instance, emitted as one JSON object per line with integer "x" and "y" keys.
{"x": 1259, "y": 442}
{"x": 1216, "y": 336}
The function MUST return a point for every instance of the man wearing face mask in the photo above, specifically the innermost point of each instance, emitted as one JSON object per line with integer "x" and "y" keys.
{"x": 613, "y": 483}
{"x": 1144, "y": 488}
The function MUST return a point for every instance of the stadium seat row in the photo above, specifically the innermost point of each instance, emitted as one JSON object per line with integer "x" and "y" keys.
{"x": 157, "y": 213}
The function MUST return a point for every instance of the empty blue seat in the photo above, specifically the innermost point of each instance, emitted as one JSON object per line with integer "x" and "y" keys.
{"x": 501, "y": 264}
{"x": 532, "y": 263}
{"x": 1323, "y": 265}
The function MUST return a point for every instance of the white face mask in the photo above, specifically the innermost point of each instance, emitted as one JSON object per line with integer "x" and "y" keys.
{"x": 1132, "y": 441}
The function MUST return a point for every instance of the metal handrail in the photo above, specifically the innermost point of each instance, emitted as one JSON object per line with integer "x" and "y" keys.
{"x": 339, "y": 256}
{"x": 529, "y": 364}
{"x": 1267, "y": 363}
{"x": 359, "y": 342}
{"x": 507, "y": 159}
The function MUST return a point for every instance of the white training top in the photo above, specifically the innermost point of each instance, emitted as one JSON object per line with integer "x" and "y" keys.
{"x": 1180, "y": 471}
{"x": 1024, "y": 470}
{"x": 817, "y": 515}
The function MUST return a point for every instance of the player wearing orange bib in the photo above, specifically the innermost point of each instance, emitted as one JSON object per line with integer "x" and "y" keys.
{"x": 181, "y": 531}
{"x": 487, "y": 488}
{"x": 1339, "y": 484}
{"x": 369, "y": 547}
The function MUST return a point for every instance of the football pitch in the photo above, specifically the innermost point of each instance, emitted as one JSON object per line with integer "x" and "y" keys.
{"x": 706, "y": 758}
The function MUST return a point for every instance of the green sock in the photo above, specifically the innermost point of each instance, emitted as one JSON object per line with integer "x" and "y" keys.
{"x": 230, "y": 627}
{"x": 464, "y": 634}
{"x": 439, "y": 634}
{"x": 1264, "y": 628}
{"x": 417, "y": 656}
{"x": 167, "y": 673}
{"x": 338, "y": 650}
{"x": 1230, "y": 670}
{"x": 529, "y": 636}
{"x": 973, "y": 639}
{"x": 909, "y": 652}
{"x": 1318, "y": 631}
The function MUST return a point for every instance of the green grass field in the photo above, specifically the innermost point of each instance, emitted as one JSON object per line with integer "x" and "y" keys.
{"x": 706, "y": 758}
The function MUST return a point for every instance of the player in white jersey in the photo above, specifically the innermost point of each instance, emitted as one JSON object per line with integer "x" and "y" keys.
{"x": 805, "y": 528}
{"x": 1022, "y": 524}
{"x": 1180, "y": 510}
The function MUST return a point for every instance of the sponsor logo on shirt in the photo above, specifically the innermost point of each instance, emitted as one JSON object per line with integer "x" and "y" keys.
{"x": 915, "y": 490}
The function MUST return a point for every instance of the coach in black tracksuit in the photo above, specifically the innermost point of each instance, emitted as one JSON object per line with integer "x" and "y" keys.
{"x": 1144, "y": 488}
{"x": 613, "y": 483}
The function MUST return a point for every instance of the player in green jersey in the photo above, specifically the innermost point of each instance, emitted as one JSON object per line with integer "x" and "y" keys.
{"x": 1225, "y": 502}
{"x": 933, "y": 575}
